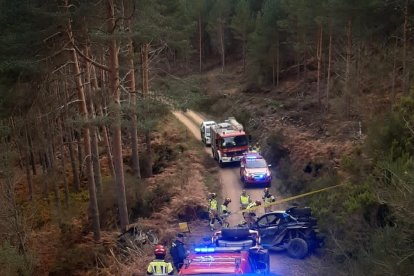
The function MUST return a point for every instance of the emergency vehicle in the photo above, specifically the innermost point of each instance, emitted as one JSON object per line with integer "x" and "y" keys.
{"x": 205, "y": 132}
{"x": 228, "y": 141}
{"x": 233, "y": 251}
{"x": 254, "y": 170}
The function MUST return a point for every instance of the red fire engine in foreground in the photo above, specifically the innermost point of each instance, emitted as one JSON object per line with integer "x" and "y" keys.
{"x": 231, "y": 252}
{"x": 228, "y": 141}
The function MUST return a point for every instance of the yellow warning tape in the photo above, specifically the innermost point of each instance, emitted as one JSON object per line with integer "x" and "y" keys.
{"x": 289, "y": 199}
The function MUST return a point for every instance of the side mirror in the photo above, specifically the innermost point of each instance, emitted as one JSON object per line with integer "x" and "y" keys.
{"x": 250, "y": 138}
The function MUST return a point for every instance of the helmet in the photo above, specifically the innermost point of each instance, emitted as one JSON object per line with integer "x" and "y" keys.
{"x": 213, "y": 195}
{"x": 243, "y": 192}
{"x": 227, "y": 199}
{"x": 159, "y": 250}
{"x": 266, "y": 190}
{"x": 258, "y": 202}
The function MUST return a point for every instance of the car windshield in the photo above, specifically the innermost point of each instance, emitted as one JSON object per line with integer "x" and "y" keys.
{"x": 237, "y": 141}
{"x": 256, "y": 163}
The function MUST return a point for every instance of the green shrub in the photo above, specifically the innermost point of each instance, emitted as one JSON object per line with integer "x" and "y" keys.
{"x": 76, "y": 258}
{"x": 275, "y": 149}
{"x": 12, "y": 262}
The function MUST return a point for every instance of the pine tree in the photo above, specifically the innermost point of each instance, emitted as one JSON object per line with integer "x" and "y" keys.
{"x": 242, "y": 25}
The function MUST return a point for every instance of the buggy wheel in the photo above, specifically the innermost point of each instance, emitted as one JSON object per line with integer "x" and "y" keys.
{"x": 152, "y": 238}
{"x": 297, "y": 248}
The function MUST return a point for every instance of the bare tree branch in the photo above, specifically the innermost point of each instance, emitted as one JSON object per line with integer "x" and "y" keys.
{"x": 101, "y": 66}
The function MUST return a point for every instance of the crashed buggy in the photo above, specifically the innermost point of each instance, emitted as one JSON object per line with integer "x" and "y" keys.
{"x": 233, "y": 251}
{"x": 294, "y": 230}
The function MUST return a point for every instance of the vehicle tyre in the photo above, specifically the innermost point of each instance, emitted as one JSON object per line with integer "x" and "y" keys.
{"x": 297, "y": 248}
{"x": 235, "y": 234}
{"x": 152, "y": 238}
{"x": 221, "y": 164}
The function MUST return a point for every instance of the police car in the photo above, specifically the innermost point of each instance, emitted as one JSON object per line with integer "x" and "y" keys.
{"x": 233, "y": 251}
{"x": 254, "y": 170}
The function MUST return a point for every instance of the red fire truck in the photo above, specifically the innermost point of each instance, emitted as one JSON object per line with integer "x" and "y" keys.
{"x": 233, "y": 251}
{"x": 228, "y": 141}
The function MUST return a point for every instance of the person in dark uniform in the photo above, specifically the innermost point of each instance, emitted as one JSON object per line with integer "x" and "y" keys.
{"x": 178, "y": 251}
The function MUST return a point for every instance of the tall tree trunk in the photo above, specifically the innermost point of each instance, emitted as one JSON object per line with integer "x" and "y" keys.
{"x": 394, "y": 72}
{"x": 348, "y": 70}
{"x": 32, "y": 158}
{"x": 222, "y": 46}
{"x": 16, "y": 141}
{"x": 76, "y": 180}
{"x": 27, "y": 165}
{"x": 78, "y": 134}
{"x": 91, "y": 87}
{"x": 404, "y": 58}
{"x": 63, "y": 163}
{"x": 42, "y": 162}
{"x": 145, "y": 91}
{"x": 108, "y": 147}
{"x": 277, "y": 62}
{"x": 328, "y": 79}
{"x": 200, "y": 41}
{"x": 70, "y": 139}
{"x": 305, "y": 67}
{"x": 93, "y": 202}
{"x": 319, "y": 58}
{"x": 117, "y": 141}
{"x": 244, "y": 54}
{"x": 273, "y": 72}
{"x": 133, "y": 100}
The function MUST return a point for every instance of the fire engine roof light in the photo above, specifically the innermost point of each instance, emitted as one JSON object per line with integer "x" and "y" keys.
{"x": 204, "y": 250}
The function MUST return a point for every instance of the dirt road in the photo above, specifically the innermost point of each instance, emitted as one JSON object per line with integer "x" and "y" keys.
{"x": 229, "y": 176}
{"x": 231, "y": 187}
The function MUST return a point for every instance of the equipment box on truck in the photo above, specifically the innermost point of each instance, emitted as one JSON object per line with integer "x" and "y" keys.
{"x": 228, "y": 141}
{"x": 205, "y": 132}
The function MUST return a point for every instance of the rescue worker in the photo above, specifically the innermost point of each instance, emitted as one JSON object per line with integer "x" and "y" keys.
{"x": 267, "y": 199}
{"x": 244, "y": 200}
{"x": 213, "y": 210}
{"x": 255, "y": 147}
{"x": 178, "y": 252}
{"x": 250, "y": 216}
{"x": 225, "y": 213}
{"x": 159, "y": 266}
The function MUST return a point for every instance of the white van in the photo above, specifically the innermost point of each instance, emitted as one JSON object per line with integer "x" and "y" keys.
{"x": 205, "y": 132}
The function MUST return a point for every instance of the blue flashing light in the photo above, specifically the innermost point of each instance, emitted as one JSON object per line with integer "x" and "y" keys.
{"x": 204, "y": 250}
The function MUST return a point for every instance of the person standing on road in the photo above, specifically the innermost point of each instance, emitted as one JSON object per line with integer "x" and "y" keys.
{"x": 250, "y": 215}
{"x": 244, "y": 200}
{"x": 267, "y": 199}
{"x": 225, "y": 213}
{"x": 213, "y": 210}
{"x": 159, "y": 266}
{"x": 178, "y": 252}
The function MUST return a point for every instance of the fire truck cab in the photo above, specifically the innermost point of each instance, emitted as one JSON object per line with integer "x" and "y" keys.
{"x": 228, "y": 141}
{"x": 233, "y": 251}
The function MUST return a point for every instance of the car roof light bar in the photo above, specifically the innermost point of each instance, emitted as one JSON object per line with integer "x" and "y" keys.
{"x": 204, "y": 250}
